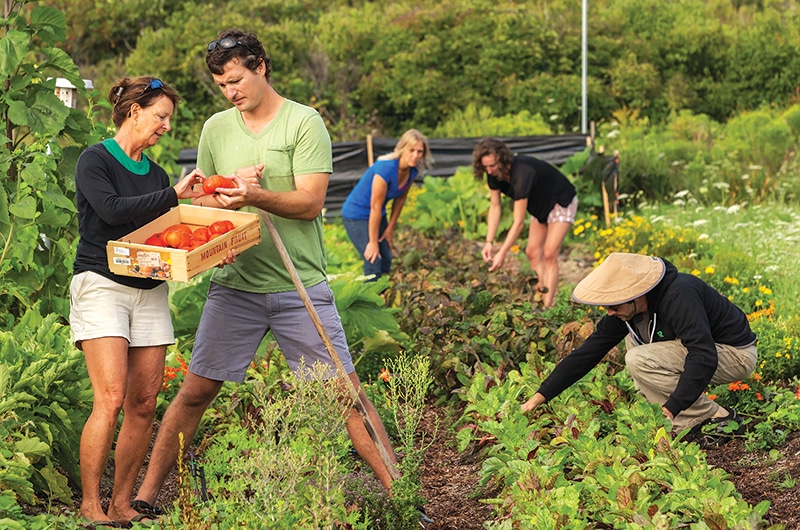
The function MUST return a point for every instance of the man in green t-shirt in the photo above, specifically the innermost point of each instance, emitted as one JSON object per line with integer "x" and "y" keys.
{"x": 278, "y": 152}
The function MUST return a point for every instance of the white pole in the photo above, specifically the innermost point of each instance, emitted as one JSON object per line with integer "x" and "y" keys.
{"x": 584, "y": 99}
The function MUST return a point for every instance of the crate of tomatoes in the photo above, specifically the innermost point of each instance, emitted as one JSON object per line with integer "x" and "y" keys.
{"x": 183, "y": 242}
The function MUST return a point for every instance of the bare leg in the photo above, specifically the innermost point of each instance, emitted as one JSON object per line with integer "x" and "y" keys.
{"x": 183, "y": 416}
{"x": 107, "y": 364}
{"x": 145, "y": 373}
{"x": 556, "y": 232}
{"x": 362, "y": 441}
{"x": 537, "y": 234}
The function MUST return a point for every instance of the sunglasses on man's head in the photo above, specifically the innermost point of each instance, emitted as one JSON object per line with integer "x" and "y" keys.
{"x": 227, "y": 43}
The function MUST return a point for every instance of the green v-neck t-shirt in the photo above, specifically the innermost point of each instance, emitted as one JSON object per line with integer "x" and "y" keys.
{"x": 295, "y": 142}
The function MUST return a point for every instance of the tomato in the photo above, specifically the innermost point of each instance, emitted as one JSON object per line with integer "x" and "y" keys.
{"x": 201, "y": 234}
{"x": 220, "y": 227}
{"x": 175, "y": 238}
{"x": 180, "y": 226}
{"x": 154, "y": 240}
{"x": 213, "y": 182}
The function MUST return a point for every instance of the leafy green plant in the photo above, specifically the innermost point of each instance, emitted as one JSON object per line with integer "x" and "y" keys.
{"x": 459, "y": 202}
{"x": 290, "y": 453}
{"x": 45, "y": 398}
{"x": 40, "y": 141}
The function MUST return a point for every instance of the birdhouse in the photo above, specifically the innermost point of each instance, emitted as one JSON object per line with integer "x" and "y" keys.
{"x": 66, "y": 91}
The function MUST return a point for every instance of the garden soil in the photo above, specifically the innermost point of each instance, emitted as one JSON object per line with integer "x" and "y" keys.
{"x": 450, "y": 480}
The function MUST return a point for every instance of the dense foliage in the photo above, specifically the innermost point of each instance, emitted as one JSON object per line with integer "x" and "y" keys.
{"x": 685, "y": 90}
{"x": 382, "y": 67}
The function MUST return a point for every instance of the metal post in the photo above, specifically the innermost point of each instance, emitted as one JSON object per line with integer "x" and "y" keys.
{"x": 584, "y": 69}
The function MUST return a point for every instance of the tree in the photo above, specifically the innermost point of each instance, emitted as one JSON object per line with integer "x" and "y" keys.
{"x": 41, "y": 140}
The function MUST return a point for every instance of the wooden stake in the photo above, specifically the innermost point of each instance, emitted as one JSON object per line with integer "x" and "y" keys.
{"x": 312, "y": 312}
{"x": 370, "y": 155}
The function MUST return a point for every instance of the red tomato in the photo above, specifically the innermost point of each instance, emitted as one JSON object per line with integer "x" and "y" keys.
{"x": 201, "y": 234}
{"x": 154, "y": 240}
{"x": 181, "y": 227}
{"x": 220, "y": 227}
{"x": 175, "y": 238}
{"x": 213, "y": 182}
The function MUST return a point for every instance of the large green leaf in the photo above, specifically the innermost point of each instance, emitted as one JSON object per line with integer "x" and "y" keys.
{"x": 49, "y": 24}
{"x": 13, "y": 47}
{"x": 45, "y": 116}
{"x": 24, "y": 208}
{"x": 59, "y": 60}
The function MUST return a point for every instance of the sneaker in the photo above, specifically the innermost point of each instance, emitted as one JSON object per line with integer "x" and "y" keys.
{"x": 715, "y": 432}
{"x": 424, "y": 520}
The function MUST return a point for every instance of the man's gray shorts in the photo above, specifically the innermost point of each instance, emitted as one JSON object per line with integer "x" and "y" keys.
{"x": 234, "y": 323}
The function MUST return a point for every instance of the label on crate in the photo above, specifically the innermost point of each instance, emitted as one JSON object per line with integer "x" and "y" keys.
{"x": 150, "y": 265}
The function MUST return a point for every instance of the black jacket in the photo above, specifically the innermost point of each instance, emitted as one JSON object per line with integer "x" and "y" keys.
{"x": 686, "y": 308}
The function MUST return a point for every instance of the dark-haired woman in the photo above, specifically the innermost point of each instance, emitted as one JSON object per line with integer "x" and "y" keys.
{"x": 122, "y": 324}
{"x": 537, "y": 188}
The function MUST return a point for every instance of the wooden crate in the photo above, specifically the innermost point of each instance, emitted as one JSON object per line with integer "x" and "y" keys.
{"x": 129, "y": 256}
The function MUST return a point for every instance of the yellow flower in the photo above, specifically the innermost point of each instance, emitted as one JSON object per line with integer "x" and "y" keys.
{"x": 745, "y": 289}
{"x": 710, "y": 270}
{"x": 578, "y": 230}
{"x": 695, "y": 272}
{"x": 766, "y": 290}
{"x": 515, "y": 249}
{"x": 732, "y": 281}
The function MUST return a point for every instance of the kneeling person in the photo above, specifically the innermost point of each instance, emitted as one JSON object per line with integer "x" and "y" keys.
{"x": 682, "y": 336}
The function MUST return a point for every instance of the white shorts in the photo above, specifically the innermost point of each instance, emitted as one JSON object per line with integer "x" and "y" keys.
{"x": 99, "y": 307}
{"x": 563, "y": 214}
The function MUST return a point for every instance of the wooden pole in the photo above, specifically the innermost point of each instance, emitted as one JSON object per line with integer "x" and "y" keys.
{"x": 370, "y": 155}
{"x": 312, "y": 312}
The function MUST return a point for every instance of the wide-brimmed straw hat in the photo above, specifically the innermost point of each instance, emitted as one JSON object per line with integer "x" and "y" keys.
{"x": 620, "y": 278}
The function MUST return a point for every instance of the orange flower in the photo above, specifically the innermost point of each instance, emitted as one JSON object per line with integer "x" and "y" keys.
{"x": 759, "y": 397}
{"x": 385, "y": 375}
{"x": 712, "y": 397}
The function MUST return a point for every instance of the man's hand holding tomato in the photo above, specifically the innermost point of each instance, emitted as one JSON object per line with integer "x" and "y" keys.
{"x": 243, "y": 191}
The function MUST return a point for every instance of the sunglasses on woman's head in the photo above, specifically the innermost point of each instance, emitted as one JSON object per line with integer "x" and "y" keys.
{"x": 154, "y": 84}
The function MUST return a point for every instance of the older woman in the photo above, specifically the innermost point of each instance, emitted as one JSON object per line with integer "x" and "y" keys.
{"x": 121, "y": 323}
{"x": 364, "y": 210}
{"x": 537, "y": 188}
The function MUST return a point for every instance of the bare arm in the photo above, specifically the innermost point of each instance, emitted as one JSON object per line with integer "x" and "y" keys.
{"x": 492, "y": 222}
{"x": 397, "y": 207}
{"x": 376, "y": 201}
{"x": 520, "y": 210}
{"x": 305, "y": 202}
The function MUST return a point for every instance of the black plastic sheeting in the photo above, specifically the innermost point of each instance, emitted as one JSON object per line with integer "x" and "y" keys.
{"x": 350, "y": 158}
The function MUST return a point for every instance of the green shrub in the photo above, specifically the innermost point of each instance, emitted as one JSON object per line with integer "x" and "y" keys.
{"x": 45, "y": 398}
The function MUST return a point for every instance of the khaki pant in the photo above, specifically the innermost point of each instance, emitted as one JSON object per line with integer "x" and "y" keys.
{"x": 656, "y": 368}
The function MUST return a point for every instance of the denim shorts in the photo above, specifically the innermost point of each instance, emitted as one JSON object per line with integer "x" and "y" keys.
{"x": 100, "y": 307}
{"x": 234, "y": 323}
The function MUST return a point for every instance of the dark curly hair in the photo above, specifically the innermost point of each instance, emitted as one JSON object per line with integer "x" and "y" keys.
{"x": 503, "y": 156}
{"x": 248, "y": 49}
{"x": 127, "y": 91}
